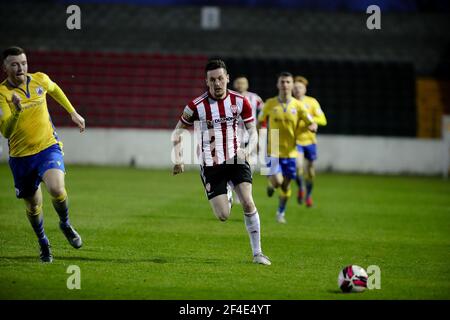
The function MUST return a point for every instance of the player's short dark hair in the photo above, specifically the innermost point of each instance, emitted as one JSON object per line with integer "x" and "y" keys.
{"x": 214, "y": 64}
{"x": 12, "y": 51}
{"x": 285, "y": 74}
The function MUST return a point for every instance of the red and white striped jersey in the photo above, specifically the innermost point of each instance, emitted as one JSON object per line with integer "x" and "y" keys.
{"x": 218, "y": 124}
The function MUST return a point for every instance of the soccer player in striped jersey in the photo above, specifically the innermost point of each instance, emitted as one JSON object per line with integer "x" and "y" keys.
{"x": 307, "y": 142}
{"x": 35, "y": 152}
{"x": 283, "y": 113}
{"x": 216, "y": 114}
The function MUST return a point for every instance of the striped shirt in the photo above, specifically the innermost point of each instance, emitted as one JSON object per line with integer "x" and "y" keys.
{"x": 218, "y": 124}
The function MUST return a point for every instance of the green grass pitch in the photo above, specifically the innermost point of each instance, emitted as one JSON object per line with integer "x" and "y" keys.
{"x": 149, "y": 235}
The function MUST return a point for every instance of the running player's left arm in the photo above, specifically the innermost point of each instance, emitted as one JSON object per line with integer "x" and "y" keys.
{"x": 318, "y": 115}
{"x": 253, "y": 139}
{"x": 249, "y": 122}
{"x": 56, "y": 93}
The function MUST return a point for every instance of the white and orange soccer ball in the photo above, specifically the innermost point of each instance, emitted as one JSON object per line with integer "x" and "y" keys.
{"x": 352, "y": 278}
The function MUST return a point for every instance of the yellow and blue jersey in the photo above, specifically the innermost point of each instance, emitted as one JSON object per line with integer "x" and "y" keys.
{"x": 30, "y": 131}
{"x": 304, "y": 136}
{"x": 284, "y": 117}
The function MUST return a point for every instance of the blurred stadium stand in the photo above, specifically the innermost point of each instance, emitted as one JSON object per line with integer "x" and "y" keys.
{"x": 365, "y": 79}
{"x": 122, "y": 89}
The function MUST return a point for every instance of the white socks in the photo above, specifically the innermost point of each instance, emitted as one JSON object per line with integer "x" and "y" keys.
{"x": 253, "y": 229}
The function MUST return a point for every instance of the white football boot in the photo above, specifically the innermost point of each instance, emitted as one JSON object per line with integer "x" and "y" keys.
{"x": 280, "y": 217}
{"x": 261, "y": 259}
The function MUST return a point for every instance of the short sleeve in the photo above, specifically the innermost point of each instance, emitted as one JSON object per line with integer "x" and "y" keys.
{"x": 189, "y": 115}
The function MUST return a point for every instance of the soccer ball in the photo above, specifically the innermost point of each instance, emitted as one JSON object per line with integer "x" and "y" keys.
{"x": 352, "y": 279}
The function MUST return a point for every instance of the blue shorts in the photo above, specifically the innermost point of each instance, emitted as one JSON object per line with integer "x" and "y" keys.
{"x": 310, "y": 151}
{"x": 28, "y": 171}
{"x": 285, "y": 166}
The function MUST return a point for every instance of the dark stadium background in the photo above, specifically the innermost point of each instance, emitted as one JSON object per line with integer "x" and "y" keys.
{"x": 135, "y": 63}
{"x": 379, "y": 198}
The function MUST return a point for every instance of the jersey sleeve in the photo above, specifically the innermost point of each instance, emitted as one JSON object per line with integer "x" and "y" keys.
{"x": 318, "y": 115}
{"x": 55, "y": 92}
{"x": 189, "y": 115}
{"x": 246, "y": 113}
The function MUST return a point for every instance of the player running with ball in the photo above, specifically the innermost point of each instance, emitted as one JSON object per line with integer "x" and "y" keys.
{"x": 218, "y": 112}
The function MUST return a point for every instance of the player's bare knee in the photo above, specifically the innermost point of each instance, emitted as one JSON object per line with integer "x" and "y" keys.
{"x": 248, "y": 205}
{"x": 223, "y": 215}
{"x": 57, "y": 191}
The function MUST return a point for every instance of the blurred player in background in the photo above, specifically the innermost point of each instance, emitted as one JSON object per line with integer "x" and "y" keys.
{"x": 240, "y": 84}
{"x": 218, "y": 112}
{"x": 306, "y": 141}
{"x": 283, "y": 113}
{"x": 35, "y": 152}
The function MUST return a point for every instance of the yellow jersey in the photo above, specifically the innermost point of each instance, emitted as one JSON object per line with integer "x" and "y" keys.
{"x": 284, "y": 117}
{"x": 31, "y": 130}
{"x": 304, "y": 136}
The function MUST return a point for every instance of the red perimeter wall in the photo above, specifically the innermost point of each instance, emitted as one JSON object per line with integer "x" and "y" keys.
{"x": 122, "y": 90}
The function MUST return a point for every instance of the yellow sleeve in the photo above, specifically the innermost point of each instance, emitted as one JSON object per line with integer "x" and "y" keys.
{"x": 318, "y": 115}
{"x": 56, "y": 93}
{"x": 8, "y": 120}
{"x": 304, "y": 114}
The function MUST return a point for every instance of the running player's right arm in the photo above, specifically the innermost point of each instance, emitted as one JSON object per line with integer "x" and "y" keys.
{"x": 319, "y": 116}
{"x": 8, "y": 120}
{"x": 178, "y": 150}
{"x": 186, "y": 120}
{"x": 305, "y": 116}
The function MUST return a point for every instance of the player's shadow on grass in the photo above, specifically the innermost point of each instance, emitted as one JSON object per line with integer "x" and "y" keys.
{"x": 158, "y": 260}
